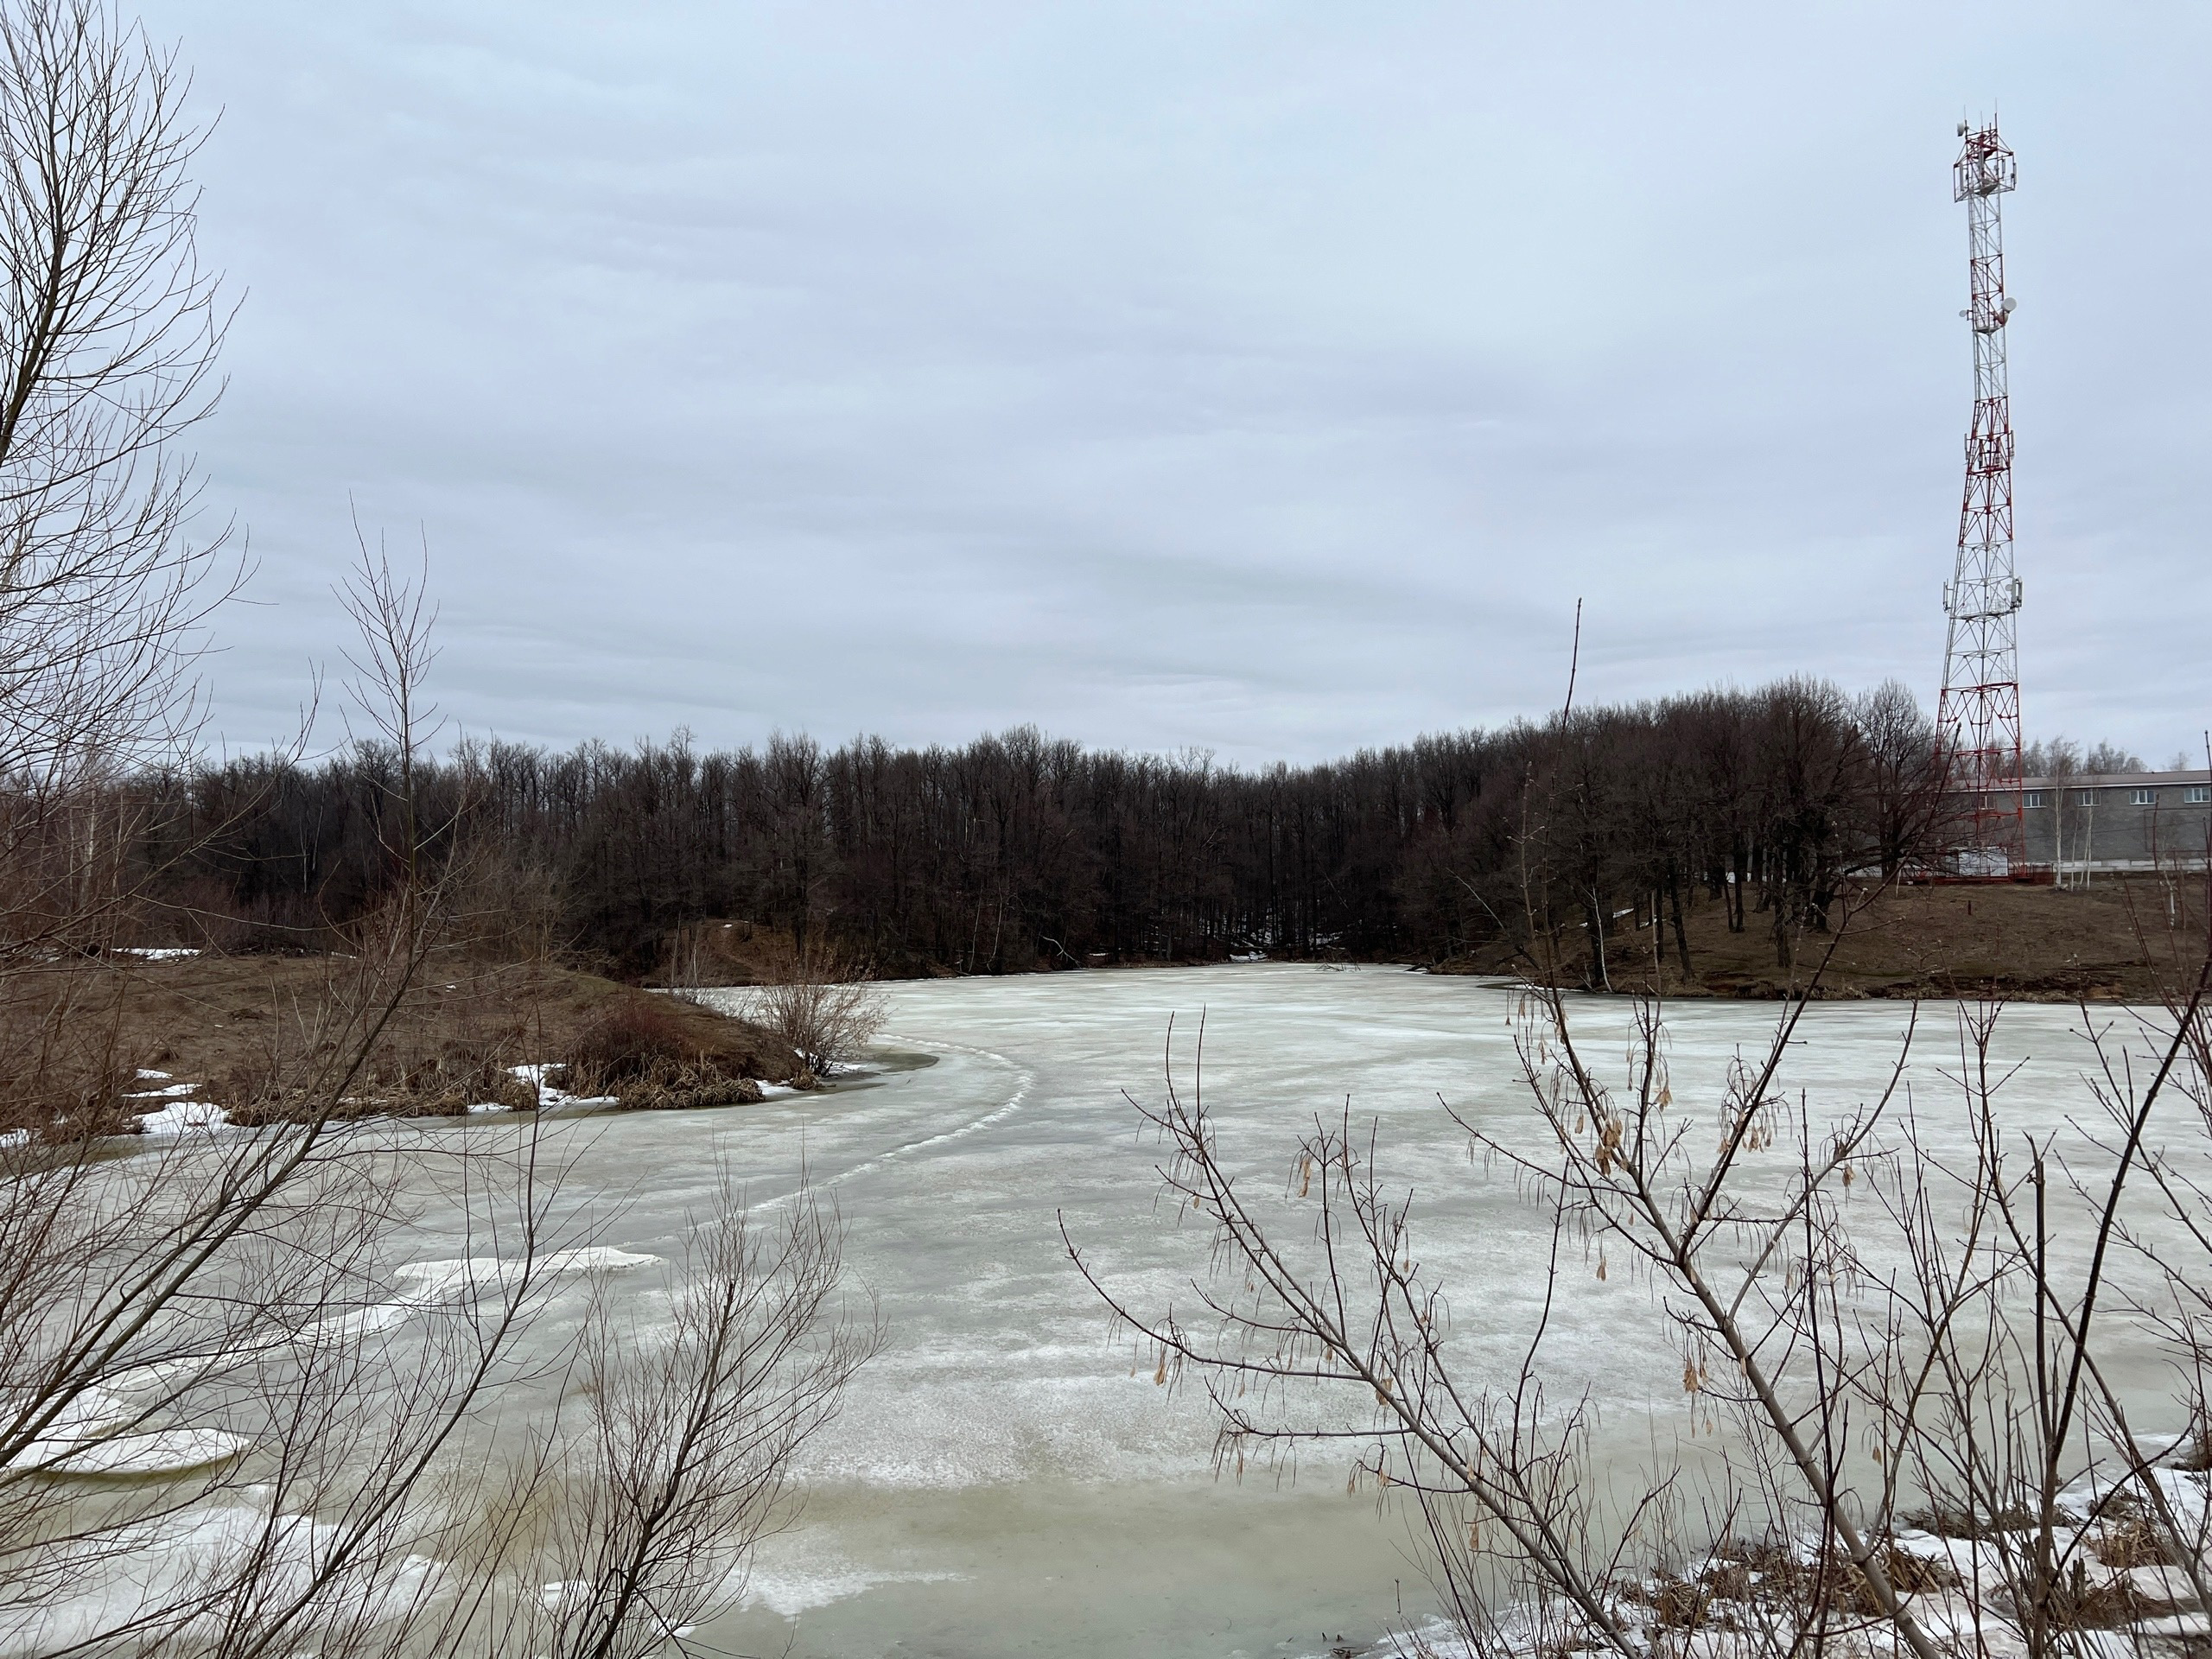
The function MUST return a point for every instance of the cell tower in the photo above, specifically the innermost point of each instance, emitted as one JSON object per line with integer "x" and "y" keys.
{"x": 1977, "y": 718}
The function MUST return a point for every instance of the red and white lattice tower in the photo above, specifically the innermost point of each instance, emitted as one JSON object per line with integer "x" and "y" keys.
{"x": 1977, "y": 718}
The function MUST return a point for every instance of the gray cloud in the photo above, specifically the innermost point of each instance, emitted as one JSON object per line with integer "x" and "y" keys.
{"x": 1271, "y": 380}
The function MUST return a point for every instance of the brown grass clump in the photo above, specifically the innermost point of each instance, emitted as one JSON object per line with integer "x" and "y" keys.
{"x": 1676, "y": 1604}
{"x": 441, "y": 1081}
{"x": 1769, "y": 1575}
{"x": 1946, "y": 1522}
{"x": 2135, "y": 1542}
{"x": 2083, "y": 1604}
{"x": 645, "y": 1053}
{"x": 76, "y": 1098}
{"x": 683, "y": 1097}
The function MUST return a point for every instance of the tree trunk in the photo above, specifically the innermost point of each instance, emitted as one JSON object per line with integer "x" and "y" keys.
{"x": 1682, "y": 938}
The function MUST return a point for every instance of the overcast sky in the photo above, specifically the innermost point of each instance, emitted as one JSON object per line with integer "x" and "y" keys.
{"x": 1266, "y": 377}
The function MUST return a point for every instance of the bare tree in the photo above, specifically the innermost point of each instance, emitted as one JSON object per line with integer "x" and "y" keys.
{"x": 1903, "y": 776}
{"x": 225, "y": 1321}
{"x": 109, "y": 333}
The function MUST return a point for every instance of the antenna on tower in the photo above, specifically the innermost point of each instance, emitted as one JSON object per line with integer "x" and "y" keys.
{"x": 1978, "y": 717}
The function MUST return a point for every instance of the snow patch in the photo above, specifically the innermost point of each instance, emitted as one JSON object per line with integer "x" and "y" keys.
{"x": 552, "y": 1099}
{"x": 182, "y": 1117}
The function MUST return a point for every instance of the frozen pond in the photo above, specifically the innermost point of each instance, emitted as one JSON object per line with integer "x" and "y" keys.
{"x": 1003, "y": 1479}
{"x": 1006, "y": 1478}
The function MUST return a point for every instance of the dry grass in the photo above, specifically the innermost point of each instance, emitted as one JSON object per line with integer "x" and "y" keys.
{"x": 254, "y": 1030}
{"x": 2109, "y": 943}
{"x": 2135, "y": 1542}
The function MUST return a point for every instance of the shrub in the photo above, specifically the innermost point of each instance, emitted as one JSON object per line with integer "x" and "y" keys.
{"x": 822, "y": 1007}
{"x": 642, "y": 1053}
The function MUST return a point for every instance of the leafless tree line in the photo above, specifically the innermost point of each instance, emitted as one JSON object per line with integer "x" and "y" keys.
{"x": 1018, "y": 852}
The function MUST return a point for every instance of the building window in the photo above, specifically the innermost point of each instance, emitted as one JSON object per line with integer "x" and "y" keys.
{"x": 2199, "y": 794}
{"x": 2033, "y": 798}
{"x": 2085, "y": 797}
{"x": 2141, "y": 796}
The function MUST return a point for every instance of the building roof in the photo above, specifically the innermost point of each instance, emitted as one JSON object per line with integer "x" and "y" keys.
{"x": 2119, "y": 780}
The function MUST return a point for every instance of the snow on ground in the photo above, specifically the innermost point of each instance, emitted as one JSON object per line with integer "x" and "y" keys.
{"x": 181, "y": 1116}
{"x": 179, "y": 1113}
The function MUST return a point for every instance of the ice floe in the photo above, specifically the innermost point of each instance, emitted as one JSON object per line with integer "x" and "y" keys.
{"x": 103, "y": 1431}
{"x": 427, "y": 1282}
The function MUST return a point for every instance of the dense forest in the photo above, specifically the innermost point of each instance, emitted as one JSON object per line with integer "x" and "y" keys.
{"x": 1020, "y": 852}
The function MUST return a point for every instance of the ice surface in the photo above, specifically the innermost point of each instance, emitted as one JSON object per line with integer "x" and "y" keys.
{"x": 1005, "y": 1478}
{"x": 158, "y": 1563}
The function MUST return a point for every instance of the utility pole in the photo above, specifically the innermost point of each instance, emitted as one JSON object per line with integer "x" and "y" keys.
{"x": 1978, "y": 717}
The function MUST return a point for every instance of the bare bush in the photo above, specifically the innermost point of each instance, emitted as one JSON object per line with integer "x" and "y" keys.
{"x": 820, "y": 1004}
{"x": 641, "y": 1053}
{"x": 686, "y": 1463}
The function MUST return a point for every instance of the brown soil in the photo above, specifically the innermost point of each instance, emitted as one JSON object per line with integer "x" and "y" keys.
{"x": 257, "y": 1032}
{"x": 2112, "y": 942}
